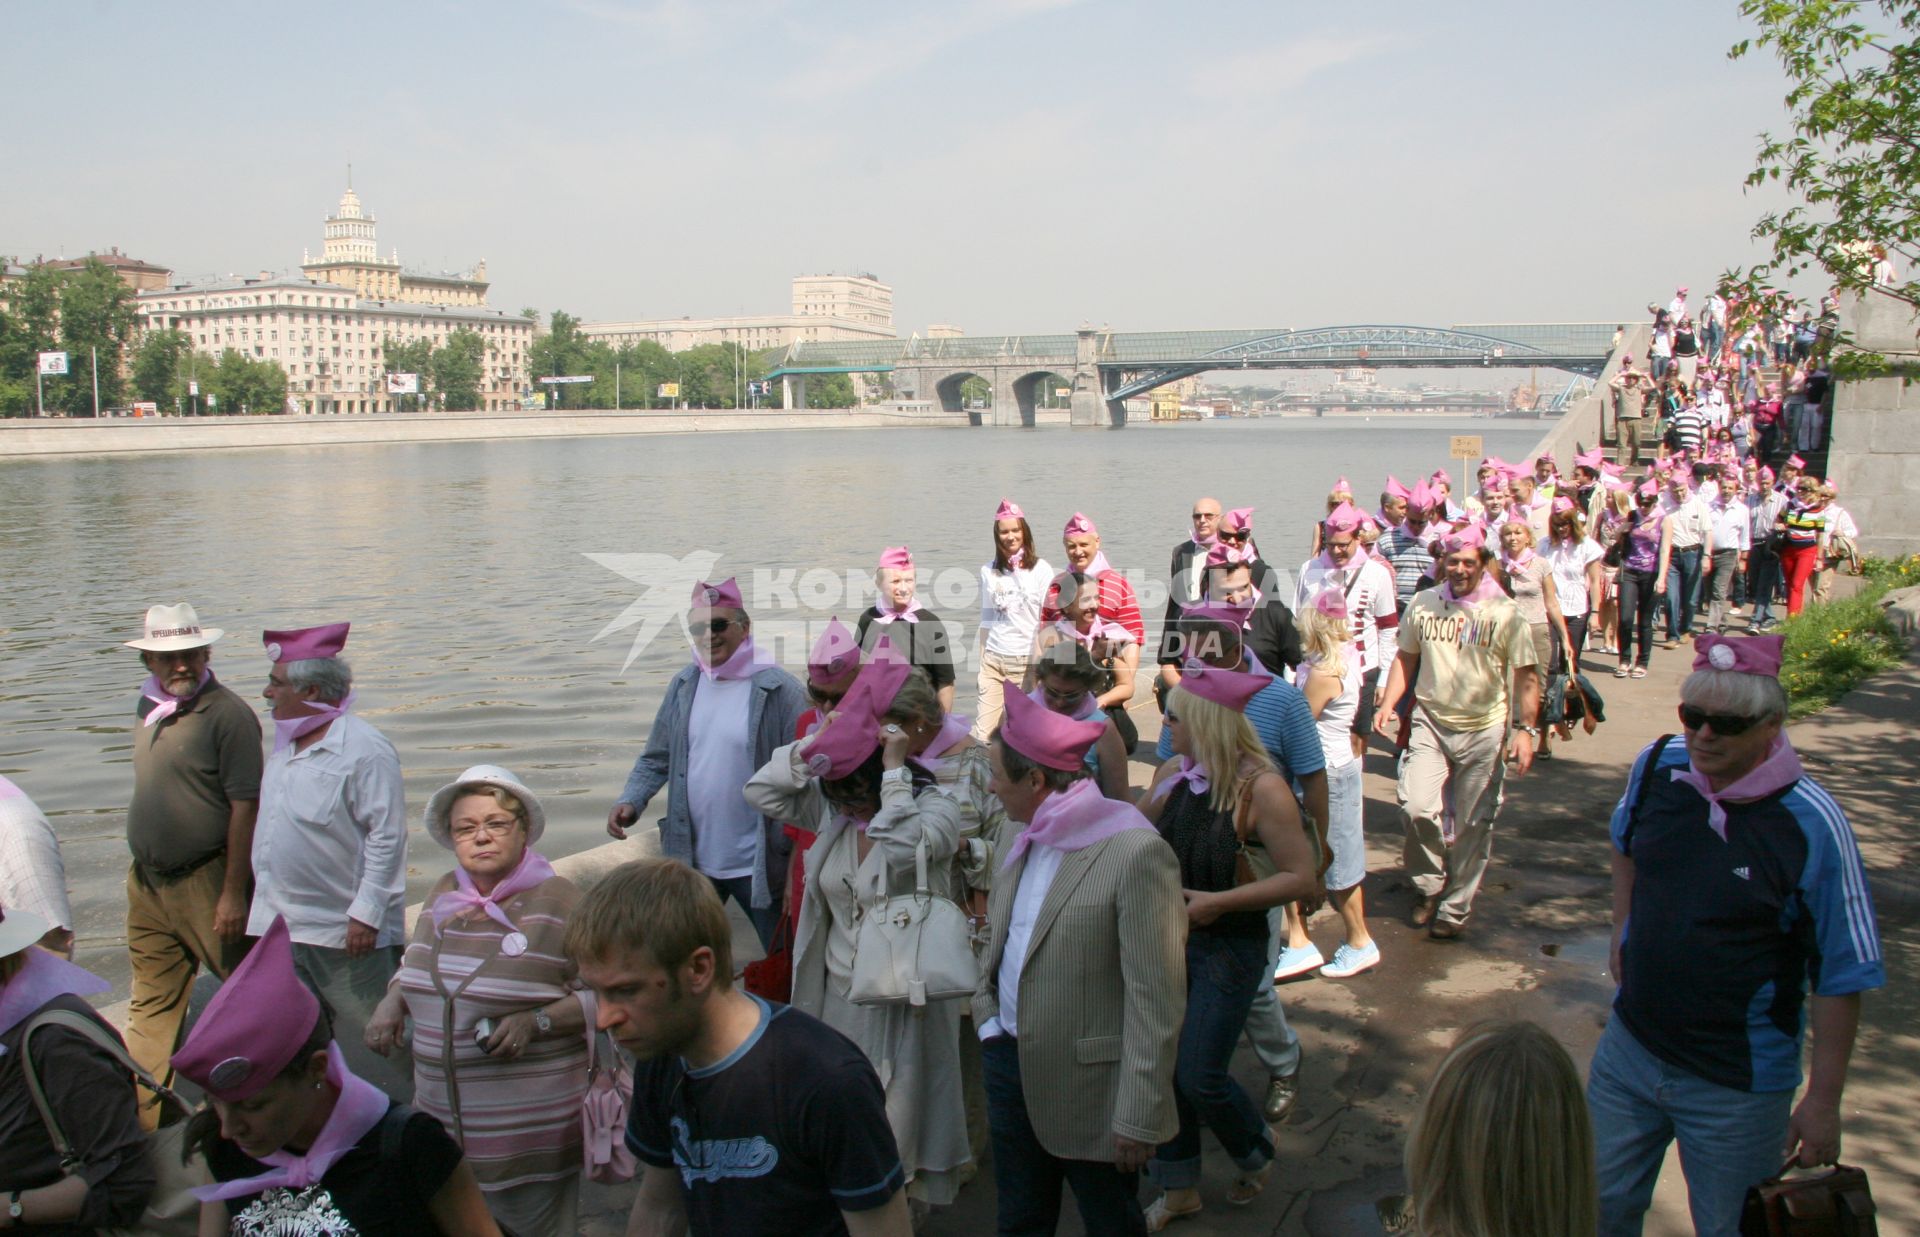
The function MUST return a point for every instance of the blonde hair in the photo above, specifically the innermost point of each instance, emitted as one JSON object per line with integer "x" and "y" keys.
{"x": 1324, "y": 638}
{"x": 1620, "y": 502}
{"x": 1502, "y": 1145}
{"x": 505, "y": 800}
{"x": 1520, "y": 523}
{"x": 660, "y": 906}
{"x": 1223, "y": 743}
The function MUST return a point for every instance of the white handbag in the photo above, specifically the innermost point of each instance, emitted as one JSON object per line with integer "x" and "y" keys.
{"x": 913, "y": 947}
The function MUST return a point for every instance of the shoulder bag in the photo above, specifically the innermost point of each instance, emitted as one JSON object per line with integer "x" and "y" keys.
{"x": 912, "y": 948}
{"x": 1252, "y": 863}
{"x": 1836, "y": 1203}
{"x": 603, "y": 1113}
{"x": 172, "y": 1210}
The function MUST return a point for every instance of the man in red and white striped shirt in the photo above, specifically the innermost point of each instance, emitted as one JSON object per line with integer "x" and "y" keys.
{"x": 1118, "y": 603}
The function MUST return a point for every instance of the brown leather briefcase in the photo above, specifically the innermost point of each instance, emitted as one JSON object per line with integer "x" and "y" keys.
{"x": 1835, "y": 1203}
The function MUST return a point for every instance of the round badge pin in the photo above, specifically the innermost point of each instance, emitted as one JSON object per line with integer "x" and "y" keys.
{"x": 514, "y": 945}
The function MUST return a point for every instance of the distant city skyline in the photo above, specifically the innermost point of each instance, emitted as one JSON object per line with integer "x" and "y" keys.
{"x": 1005, "y": 165}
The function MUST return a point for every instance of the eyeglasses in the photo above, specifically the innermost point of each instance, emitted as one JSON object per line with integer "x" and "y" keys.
{"x": 1228, "y": 534}
{"x": 1694, "y": 719}
{"x": 498, "y": 827}
{"x": 1205, "y": 515}
{"x": 716, "y": 626}
{"x": 824, "y": 699}
{"x": 1340, "y": 545}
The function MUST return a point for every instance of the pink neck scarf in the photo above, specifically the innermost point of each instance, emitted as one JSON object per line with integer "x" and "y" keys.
{"x": 1192, "y": 774}
{"x": 1483, "y": 591}
{"x": 285, "y": 732}
{"x": 1074, "y": 819}
{"x": 360, "y": 1107}
{"x": 739, "y": 666}
{"x": 533, "y": 869}
{"x": 1099, "y": 566}
{"x": 1017, "y": 559}
{"x": 43, "y": 976}
{"x": 1781, "y": 768}
{"x": 955, "y": 728}
{"x": 165, "y": 704}
{"x": 1102, "y": 630}
{"x": 1520, "y": 561}
{"x": 911, "y": 614}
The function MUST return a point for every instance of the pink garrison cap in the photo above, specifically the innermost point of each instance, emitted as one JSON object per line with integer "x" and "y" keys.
{"x": 1591, "y": 459}
{"x": 1545, "y": 457}
{"x": 1650, "y": 488}
{"x": 1796, "y": 461}
{"x": 1344, "y": 518}
{"x": 1043, "y": 736}
{"x": 1238, "y": 518}
{"x": 1472, "y": 537}
{"x": 1341, "y": 486}
{"x": 844, "y": 745}
{"x": 1079, "y": 526}
{"x": 1009, "y": 510}
{"x": 1746, "y": 654}
{"x": 1562, "y": 503}
{"x": 254, "y": 1026}
{"x": 835, "y": 654}
{"x": 1422, "y": 496}
{"x": 724, "y": 594}
{"x": 1220, "y": 554}
{"x": 1396, "y": 489}
{"x": 305, "y": 643}
{"x": 1440, "y": 478}
{"x": 1331, "y": 602}
{"x": 896, "y": 558}
{"x": 1227, "y": 688}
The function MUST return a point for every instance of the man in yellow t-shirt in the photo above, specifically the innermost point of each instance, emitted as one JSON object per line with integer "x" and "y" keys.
{"x": 1468, "y": 656}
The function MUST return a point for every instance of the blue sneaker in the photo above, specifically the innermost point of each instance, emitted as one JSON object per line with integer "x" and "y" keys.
{"x": 1348, "y": 961}
{"x": 1295, "y": 962}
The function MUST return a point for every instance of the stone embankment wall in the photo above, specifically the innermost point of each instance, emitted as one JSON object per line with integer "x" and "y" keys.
{"x": 118, "y": 436}
{"x": 1580, "y": 426}
{"x": 1874, "y": 458}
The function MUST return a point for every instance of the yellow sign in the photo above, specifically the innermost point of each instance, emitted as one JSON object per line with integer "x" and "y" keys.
{"x": 669, "y": 390}
{"x": 1466, "y": 447}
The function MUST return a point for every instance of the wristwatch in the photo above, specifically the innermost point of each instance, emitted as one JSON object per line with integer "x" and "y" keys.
{"x": 902, "y": 774}
{"x": 541, "y": 1022}
{"x": 14, "y": 1210}
{"x": 1534, "y": 731}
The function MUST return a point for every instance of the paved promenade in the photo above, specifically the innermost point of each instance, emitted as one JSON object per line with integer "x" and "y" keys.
{"x": 1536, "y": 949}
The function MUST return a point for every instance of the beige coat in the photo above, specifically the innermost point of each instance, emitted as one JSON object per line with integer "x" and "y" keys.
{"x": 1102, "y": 994}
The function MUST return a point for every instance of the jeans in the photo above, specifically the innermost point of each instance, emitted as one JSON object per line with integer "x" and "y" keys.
{"x": 1637, "y": 592}
{"x": 1683, "y": 586}
{"x": 1029, "y": 1178}
{"x": 1274, "y": 1042}
{"x": 1729, "y": 1140}
{"x": 740, "y": 888}
{"x": 1763, "y": 578}
{"x": 1223, "y": 972}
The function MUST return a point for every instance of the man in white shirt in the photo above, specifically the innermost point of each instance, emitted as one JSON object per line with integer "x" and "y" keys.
{"x": 330, "y": 849}
{"x": 32, "y": 876}
{"x": 1731, "y": 541}
{"x": 1691, "y": 531}
{"x": 1368, "y": 586}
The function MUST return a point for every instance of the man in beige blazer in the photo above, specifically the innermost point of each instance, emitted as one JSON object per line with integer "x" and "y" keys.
{"x": 1081, "y": 1000}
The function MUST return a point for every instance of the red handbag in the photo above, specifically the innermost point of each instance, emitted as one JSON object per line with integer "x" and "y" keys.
{"x": 1836, "y": 1203}
{"x": 771, "y": 978}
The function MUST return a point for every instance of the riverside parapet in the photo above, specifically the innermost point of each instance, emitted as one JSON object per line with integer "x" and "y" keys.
{"x": 122, "y": 436}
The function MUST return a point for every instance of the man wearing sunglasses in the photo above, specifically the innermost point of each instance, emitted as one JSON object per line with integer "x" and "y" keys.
{"x": 1187, "y": 586}
{"x": 722, "y": 718}
{"x": 1737, "y": 886}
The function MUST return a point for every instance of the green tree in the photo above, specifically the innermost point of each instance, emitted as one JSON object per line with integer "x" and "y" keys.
{"x": 241, "y": 385}
{"x": 1853, "y": 156}
{"x": 563, "y": 350}
{"x": 160, "y": 365}
{"x": 459, "y": 367}
{"x": 96, "y": 320}
{"x": 413, "y": 357}
{"x": 29, "y": 328}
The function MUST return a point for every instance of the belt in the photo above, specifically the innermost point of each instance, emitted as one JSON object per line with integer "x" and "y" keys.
{"x": 174, "y": 875}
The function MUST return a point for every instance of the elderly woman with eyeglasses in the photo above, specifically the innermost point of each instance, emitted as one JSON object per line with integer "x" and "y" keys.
{"x": 499, "y": 1043}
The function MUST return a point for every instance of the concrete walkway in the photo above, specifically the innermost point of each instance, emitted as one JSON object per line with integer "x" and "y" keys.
{"x": 1537, "y": 949}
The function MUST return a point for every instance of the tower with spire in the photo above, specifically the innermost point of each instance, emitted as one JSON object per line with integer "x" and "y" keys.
{"x": 350, "y": 256}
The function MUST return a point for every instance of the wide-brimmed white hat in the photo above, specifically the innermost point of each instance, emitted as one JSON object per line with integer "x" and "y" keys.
{"x": 441, "y": 805}
{"x": 169, "y": 629}
{"x": 19, "y": 929}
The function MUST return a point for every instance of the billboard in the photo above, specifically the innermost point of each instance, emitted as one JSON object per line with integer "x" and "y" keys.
{"x": 403, "y": 384}
{"x": 669, "y": 390}
{"x": 53, "y": 362}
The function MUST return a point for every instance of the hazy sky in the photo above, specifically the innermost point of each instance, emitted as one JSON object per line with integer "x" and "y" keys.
{"x": 1007, "y": 165}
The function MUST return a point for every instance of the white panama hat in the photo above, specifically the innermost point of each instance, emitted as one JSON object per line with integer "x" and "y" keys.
{"x": 169, "y": 629}
{"x": 441, "y": 805}
{"x": 19, "y": 929}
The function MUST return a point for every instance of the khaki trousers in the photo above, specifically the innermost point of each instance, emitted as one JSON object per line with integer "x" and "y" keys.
{"x": 991, "y": 702}
{"x": 1464, "y": 768}
{"x": 170, "y": 937}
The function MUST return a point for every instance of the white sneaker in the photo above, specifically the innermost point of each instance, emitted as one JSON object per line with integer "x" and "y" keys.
{"x": 1348, "y": 961}
{"x": 1298, "y": 961}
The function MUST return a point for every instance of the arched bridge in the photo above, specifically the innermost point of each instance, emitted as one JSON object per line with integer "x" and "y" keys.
{"x": 1105, "y": 368}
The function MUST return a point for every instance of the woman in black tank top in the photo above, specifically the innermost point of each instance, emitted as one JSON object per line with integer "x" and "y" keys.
{"x": 1236, "y": 829}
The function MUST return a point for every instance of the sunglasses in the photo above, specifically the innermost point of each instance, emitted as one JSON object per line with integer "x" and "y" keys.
{"x": 716, "y": 626}
{"x": 1693, "y": 719}
{"x": 1229, "y": 534}
{"x": 824, "y": 699}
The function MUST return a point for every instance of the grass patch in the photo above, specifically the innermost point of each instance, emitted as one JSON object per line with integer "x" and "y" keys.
{"x": 1833, "y": 647}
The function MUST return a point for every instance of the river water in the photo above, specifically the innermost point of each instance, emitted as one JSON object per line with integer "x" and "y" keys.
{"x": 465, "y": 570}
